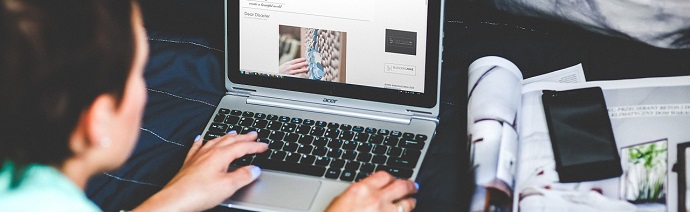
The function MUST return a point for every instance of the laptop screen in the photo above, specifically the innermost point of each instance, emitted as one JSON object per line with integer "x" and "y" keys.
{"x": 370, "y": 50}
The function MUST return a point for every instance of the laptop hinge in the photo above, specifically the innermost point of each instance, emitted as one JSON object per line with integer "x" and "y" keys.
{"x": 349, "y": 112}
{"x": 423, "y": 115}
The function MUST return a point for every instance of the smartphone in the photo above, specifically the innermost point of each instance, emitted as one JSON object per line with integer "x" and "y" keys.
{"x": 581, "y": 135}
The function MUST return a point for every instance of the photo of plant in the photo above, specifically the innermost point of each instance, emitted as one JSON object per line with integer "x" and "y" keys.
{"x": 645, "y": 171}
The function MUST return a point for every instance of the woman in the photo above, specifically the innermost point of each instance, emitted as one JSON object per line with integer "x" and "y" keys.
{"x": 73, "y": 95}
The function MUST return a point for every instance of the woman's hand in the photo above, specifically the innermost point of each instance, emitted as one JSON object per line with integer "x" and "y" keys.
{"x": 204, "y": 181}
{"x": 378, "y": 192}
{"x": 294, "y": 67}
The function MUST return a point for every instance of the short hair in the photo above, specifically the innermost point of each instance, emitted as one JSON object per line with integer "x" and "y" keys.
{"x": 56, "y": 57}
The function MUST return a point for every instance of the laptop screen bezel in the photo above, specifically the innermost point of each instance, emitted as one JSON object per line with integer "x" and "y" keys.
{"x": 426, "y": 99}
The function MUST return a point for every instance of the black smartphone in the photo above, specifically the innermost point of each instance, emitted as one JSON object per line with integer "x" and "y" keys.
{"x": 581, "y": 135}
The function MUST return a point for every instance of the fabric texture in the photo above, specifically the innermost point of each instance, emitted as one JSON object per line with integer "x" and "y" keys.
{"x": 661, "y": 23}
{"x": 43, "y": 188}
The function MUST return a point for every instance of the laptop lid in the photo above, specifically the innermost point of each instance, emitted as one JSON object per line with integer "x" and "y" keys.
{"x": 379, "y": 55}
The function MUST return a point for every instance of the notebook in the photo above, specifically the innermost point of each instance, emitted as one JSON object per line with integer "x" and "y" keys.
{"x": 339, "y": 89}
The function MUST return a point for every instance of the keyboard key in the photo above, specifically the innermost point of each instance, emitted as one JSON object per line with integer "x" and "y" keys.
{"x": 346, "y": 127}
{"x": 317, "y": 131}
{"x": 217, "y": 127}
{"x": 349, "y": 155}
{"x": 383, "y": 132}
{"x": 379, "y": 159}
{"x": 322, "y": 161}
{"x": 276, "y": 144}
{"x": 305, "y": 148}
{"x": 296, "y": 120}
{"x": 349, "y": 145}
{"x": 411, "y": 154}
{"x": 263, "y": 133}
{"x": 361, "y": 137}
{"x": 367, "y": 167}
{"x": 334, "y": 153}
{"x": 274, "y": 125}
{"x": 308, "y": 122}
{"x": 421, "y": 137}
{"x": 306, "y": 139}
{"x": 412, "y": 144}
{"x": 408, "y": 136}
{"x": 236, "y": 113}
{"x": 348, "y": 175}
{"x": 364, "y": 157}
{"x": 333, "y": 125}
{"x": 361, "y": 176}
{"x": 224, "y": 111}
{"x": 347, "y": 135}
{"x": 219, "y": 118}
{"x": 291, "y": 137}
{"x": 272, "y": 117}
{"x": 320, "y": 141}
{"x": 307, "y": 159}
{"x": 358, "y": 129}
{"x": 376, "y": 139}
{"x": 260, "y": 116}
{"x": 231, "y": 119}
{"x": 396, "y": 133}
{"x": 284, "y": 119}
{"x": 263, "y": 140}
{"x": 246, "y": 130}
{"x": 278, "y": 155}
{"x": 248, "y": 114}
{"x": 290, "y": 147}
{"x": 337, "y": 163}
{"x": 320, "y": 151}
{"x": 396, "y": 171}
{"x": 400, "y": 162}
{"x": 246, "y": 122}
{"x": 370, "y": 130}
{"x": 335, "y": 143}
{"x": 332, "y": 133}
{"x": 261, "y": 123}
{"x": 352, "y": 165}
{"x": 303, "y": 129}
{"x": 289, "y": 167}
{"x": 321, "y": 124}
{"x": 333, "y": 173}
{"x": 276, "y": 135}
{"x": 394, "y": 151}
{"x": 265, "y": 154}
{"x": 292, "y": 157}
{"x": 288, "y": 127}
{"x": 212, "y": 135}
{"x": 365, "y": 147}
{"x": 379, "y": 149}
{"x": 391, "y": 141}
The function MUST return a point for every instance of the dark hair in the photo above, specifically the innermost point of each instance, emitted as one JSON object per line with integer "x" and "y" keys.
{"x": 56, "y": 57}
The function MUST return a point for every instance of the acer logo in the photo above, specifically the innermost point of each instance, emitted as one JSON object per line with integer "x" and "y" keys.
{"x": 327, "y": 100}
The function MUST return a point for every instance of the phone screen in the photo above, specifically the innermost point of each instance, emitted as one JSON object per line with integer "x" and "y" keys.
{"x": 580, "y": 130}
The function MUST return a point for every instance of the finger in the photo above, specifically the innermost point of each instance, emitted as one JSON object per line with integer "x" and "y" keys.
{"x": 298, "y": 60}
{"x": 241, "y": 148}
{"x": 297, "y": 71}
{"x": 408, "y": 204}
{"x": 300, "y": 65}
{"x": 379, "y": 179}
{"x": 398, "y": 189}
{"x": 242, "y": 177}
{"x": 194, "y": 149}
{"x": 230, "y": 138}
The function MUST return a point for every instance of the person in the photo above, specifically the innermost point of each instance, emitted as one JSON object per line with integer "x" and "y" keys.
{"x": 71, "y": 80}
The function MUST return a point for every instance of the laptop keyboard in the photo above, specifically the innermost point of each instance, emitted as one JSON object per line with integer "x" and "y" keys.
{"x": 323, "y": 149}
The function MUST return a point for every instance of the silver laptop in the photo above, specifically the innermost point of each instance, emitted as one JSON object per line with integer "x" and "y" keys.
{"x": 339, "y": 89}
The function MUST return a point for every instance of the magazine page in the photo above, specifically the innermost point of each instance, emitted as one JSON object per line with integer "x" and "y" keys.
{"x": 649, "y": 118}
{"x": 494, "y": 97}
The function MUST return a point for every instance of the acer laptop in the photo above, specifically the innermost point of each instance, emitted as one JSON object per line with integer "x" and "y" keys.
{"x": 338, "y": 89}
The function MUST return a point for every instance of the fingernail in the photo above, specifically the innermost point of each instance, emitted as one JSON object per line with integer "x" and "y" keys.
{"x": 416, "y": 185}
{"x": 256, "y": 171}
{"x": 252, "y": 132}
{"x": 197, "y": 138}
{"x": 233, "y": 132}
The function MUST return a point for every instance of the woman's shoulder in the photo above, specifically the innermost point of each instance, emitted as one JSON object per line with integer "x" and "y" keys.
{"x": 42, "y": 188}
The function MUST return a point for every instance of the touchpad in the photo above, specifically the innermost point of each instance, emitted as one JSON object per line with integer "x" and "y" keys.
{"x": 279, "y": 190}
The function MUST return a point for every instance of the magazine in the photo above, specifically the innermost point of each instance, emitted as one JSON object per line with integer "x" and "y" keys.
{"x": 511, "y": 149}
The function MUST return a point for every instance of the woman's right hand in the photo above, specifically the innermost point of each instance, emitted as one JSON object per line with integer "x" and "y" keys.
{"x": 378, "y": 192}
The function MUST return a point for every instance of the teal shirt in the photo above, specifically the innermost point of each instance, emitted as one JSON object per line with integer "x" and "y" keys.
{"x": 43, "y": 188}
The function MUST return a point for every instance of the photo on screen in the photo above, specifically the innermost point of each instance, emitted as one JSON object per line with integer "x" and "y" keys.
{"x": 645, "y": 173}
{"x": 311, "y": 53}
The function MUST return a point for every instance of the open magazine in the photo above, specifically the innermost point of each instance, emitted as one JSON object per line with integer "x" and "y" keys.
{"x": 514, "y": 161}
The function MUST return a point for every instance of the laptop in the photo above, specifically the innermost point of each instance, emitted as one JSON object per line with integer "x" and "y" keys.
{"x": 338, "y": 89}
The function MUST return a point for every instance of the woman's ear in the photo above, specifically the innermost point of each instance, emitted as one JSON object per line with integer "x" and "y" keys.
{"x": 93, "y": 128}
